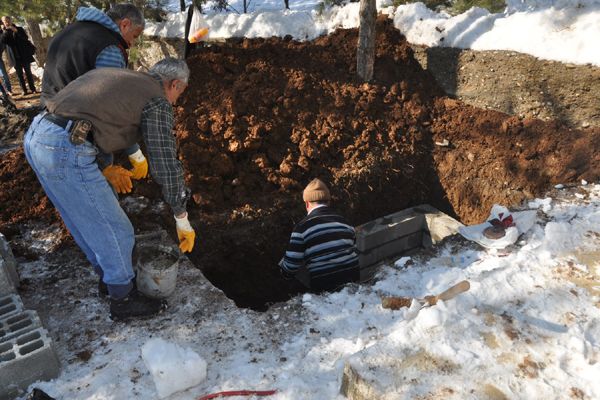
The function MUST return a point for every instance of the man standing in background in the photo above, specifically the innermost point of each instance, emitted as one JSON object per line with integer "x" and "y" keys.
{"x": 21, "y": 52}
{"x": 97, "y": 40}
{"x": 94, "y": 40}
{"x": 4, "y": 78}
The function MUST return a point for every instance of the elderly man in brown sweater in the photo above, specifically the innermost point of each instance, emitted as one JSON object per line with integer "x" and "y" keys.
{"x": 107, "y": 110}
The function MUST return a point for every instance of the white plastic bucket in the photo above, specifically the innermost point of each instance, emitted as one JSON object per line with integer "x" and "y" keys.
{"x": 157, "y": 268}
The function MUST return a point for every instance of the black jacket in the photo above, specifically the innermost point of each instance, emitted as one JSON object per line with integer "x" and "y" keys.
{"x": 22, "y": 49}
{"x": 73, "y": 52}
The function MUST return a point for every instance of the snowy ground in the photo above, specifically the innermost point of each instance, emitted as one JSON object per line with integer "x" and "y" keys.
{"x": 560, "y": 30}
{"x": 528, "y": 328}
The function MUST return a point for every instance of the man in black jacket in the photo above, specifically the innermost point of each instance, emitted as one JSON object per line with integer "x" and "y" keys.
{"x": 22, "y": 51}
{"x": 4, "y": 78}
{"x": 94, "y": 40}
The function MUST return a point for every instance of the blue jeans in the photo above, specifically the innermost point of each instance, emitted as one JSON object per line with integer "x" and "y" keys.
{"x": 73, "y": 182}
{"x": 4, "y": 75}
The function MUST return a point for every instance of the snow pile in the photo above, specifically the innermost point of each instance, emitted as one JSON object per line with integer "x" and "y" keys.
{"x": 553, "y": 34}
{"x": 173, "y": 368}
{"x": 528, "y": 327}
{"x": 524, "y": 5}
{"x": 560, "y": 30}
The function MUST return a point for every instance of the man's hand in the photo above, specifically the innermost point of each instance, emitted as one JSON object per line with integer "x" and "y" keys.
{"x": 140, "y": 165}
{"x": 185, "y": 233}
{"x": 119, "y": 178}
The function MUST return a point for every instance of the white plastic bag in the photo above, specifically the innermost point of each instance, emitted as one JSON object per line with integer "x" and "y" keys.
{"x": 198, "y": 27}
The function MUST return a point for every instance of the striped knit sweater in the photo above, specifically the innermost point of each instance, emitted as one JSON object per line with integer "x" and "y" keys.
{"x": 322, "y": 247}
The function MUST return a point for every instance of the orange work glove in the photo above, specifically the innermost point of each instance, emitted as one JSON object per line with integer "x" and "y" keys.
{"x": 119, "y": 178}
{"x": 140, "y": 165}
{"x": 185, "y": 233}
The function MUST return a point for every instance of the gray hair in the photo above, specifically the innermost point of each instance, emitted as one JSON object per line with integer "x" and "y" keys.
{"x": 129, "y": 11}
{"x": 170, "y": 69}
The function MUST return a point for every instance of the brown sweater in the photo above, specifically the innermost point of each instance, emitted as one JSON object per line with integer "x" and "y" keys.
{"x": 112, "y": 99}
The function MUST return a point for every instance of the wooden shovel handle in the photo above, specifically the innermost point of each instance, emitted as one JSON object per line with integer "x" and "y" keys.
{"x": 455, "y": 290}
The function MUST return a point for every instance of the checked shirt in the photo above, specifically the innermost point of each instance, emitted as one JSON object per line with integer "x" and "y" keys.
{"x": 165, "y": 167}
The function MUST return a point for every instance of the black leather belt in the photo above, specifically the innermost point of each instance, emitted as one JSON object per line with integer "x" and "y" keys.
{"x": 80, "y": 130}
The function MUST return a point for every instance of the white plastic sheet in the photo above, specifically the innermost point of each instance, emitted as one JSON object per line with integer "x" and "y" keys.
{"x": 523, "y": 221}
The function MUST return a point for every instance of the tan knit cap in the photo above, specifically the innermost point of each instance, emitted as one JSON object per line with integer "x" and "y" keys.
{"x": 316, "y": 190}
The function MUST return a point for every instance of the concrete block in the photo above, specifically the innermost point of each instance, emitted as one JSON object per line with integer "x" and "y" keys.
{"x": 391, "y": 249}
{"x": 9, "y": 278}
{"x": 10, "y": 305}
{"x": 18, "y": 324}
{"x": 24, "y": 359}
{"x": 386, "y": 229}
{"x": 399, "y": 234}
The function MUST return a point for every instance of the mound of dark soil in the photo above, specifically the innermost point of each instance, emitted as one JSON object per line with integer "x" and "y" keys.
{"x": 261, "y": 118}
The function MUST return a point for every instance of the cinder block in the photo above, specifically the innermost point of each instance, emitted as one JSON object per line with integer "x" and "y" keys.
{"x": 387, "y": 229}
{"x": 25, "y": 359}
{"x": 400, "y": 233}
{"x": 10, "y": 305}
{"x": 9, "y": 278}
{"x": 18, "y": 324}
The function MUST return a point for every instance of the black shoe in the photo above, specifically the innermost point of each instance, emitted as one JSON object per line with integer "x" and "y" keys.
{"x": 39, "y": 394}
{"x": 102, "y": 288}
{"x": 135, "y": 305}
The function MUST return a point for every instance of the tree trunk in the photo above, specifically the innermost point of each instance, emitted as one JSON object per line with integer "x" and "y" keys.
{"x": 38, "y": 41}
{"x": 245, "y": 6}
{"x": 365, "y": 53}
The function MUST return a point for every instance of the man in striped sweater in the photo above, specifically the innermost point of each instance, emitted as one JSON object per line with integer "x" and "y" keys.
{"x": 321, "y": 253}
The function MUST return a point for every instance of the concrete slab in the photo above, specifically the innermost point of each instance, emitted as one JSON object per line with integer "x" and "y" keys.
{"x": 9, "y": 278}
{"x": 24, "y": 359}
{"x": 7, "y": 284}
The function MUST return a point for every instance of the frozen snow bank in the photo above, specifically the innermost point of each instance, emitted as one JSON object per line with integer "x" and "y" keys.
{"x": 173, "y": 368}
{"x": 560, "y": 34}
{"x": 300, "y": 24}
{"x": 560, "y": 30}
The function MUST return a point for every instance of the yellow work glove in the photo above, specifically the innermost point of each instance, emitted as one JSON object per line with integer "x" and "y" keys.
{"x": 140, "y": 165}
{"x": 119, "y": 178}
{"x": 185, "y": 233}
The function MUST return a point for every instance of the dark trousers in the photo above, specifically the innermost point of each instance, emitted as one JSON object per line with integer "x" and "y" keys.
{"x": 20, "y": 67}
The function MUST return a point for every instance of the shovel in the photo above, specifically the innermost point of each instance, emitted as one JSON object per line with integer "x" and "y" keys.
{"x": 396, "y": 303}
